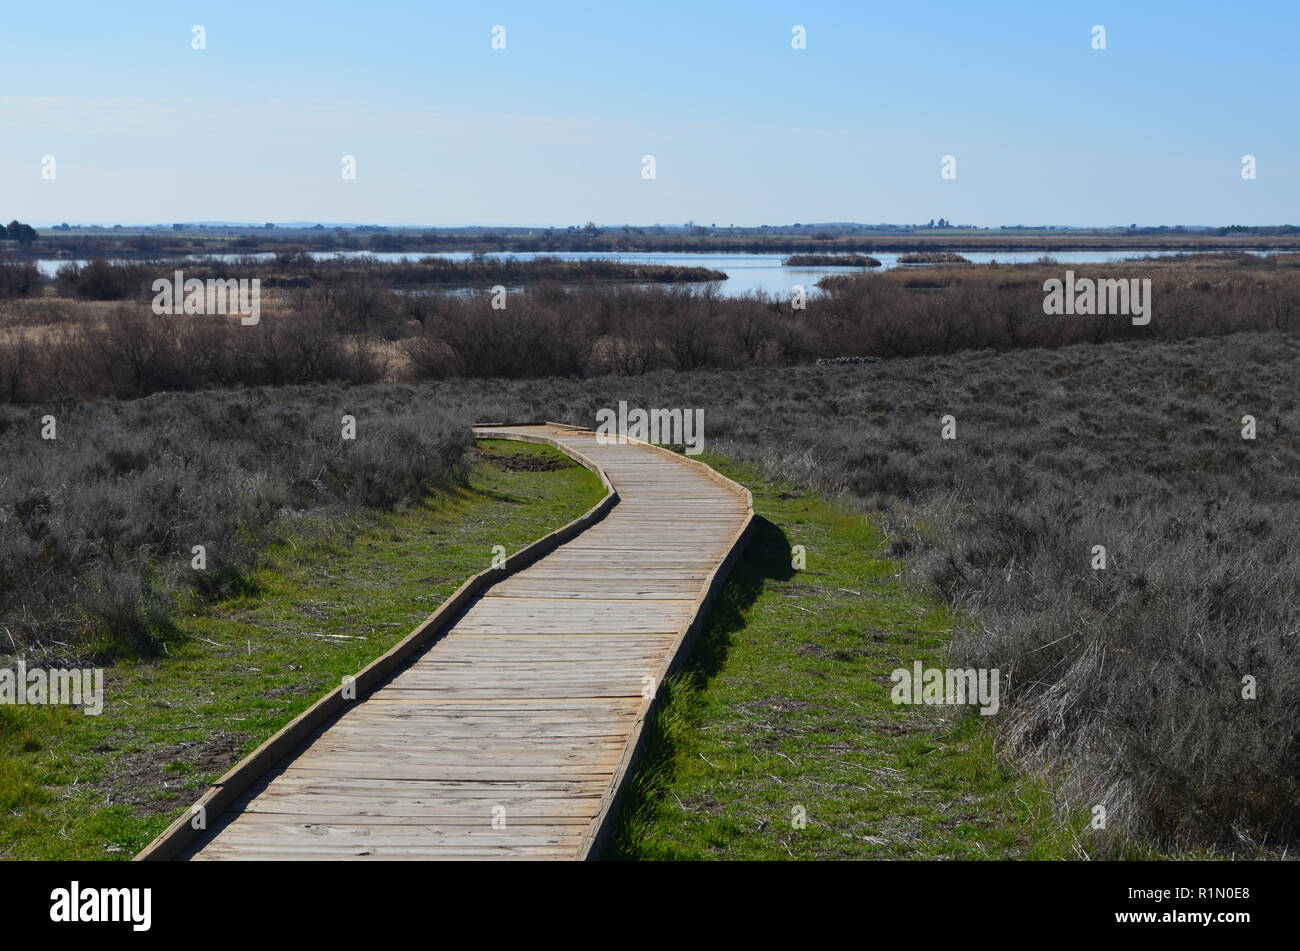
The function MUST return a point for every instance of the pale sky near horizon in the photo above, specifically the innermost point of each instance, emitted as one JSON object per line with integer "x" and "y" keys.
{"x": 744, "y": 129}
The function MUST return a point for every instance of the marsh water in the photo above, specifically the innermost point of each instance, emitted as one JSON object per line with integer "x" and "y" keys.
{"x": 746, "y": 273}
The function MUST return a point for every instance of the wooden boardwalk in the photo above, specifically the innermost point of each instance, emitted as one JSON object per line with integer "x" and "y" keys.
{"x": 509, "y": 736}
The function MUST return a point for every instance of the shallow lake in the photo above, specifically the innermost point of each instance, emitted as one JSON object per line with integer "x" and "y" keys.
{"x": 746, "y": 273}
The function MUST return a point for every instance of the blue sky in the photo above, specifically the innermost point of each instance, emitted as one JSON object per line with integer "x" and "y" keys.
{"x": 744, "y": 129}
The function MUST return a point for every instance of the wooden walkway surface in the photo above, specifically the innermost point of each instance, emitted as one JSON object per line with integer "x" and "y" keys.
{"x": 510, "y": 735}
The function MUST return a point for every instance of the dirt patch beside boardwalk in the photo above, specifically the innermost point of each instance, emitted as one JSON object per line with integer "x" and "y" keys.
{"x": 522, "y": 462}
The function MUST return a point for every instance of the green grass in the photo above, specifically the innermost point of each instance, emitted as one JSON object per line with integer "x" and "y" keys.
{"x": 784, "y": 705}
{"x": 326, "y": 604}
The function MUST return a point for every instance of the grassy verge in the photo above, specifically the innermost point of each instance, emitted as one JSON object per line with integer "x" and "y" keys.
{"x": 784, "y": 710}
{"x": 80, "y": 787}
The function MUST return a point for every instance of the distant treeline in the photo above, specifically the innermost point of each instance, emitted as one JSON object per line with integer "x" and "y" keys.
{"x": 22, "y": 235}
{"x": 71, "y": 244}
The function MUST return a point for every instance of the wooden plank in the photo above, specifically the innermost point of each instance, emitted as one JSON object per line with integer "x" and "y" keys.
{"x": 297, "y": 853}
{"x": 448, "y": 811}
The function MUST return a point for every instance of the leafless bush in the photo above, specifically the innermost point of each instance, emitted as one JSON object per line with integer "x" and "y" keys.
{"x": 333, "y": 322}
{"x": 19, "y": 278}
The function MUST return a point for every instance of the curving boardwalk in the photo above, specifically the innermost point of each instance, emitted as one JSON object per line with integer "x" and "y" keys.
{"x": 510, "y": 735}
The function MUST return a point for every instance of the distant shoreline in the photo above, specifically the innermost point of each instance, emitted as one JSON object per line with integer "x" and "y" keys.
{"x": 162, "y": 245}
